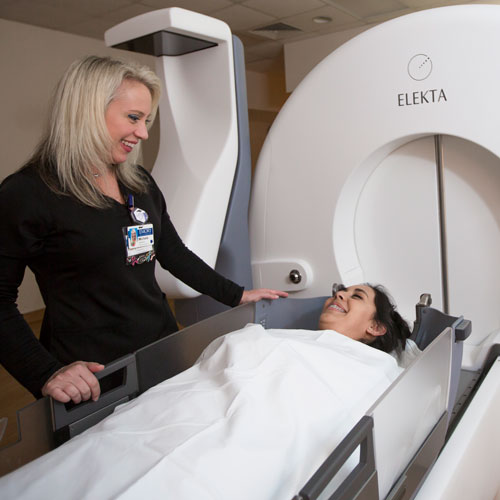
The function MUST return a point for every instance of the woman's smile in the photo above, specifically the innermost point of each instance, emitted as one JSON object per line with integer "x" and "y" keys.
{"x": 128, "y": 145}
{"x": 336, "y": 307}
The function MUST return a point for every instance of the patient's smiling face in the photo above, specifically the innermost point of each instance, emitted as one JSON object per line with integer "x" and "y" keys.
{"x": 351, "y": 311}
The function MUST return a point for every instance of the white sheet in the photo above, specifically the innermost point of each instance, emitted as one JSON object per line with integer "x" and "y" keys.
{"x": 253, "y": 418}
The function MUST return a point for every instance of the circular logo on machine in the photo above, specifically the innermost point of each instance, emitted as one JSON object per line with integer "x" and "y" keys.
{"x": 420, "y": 67}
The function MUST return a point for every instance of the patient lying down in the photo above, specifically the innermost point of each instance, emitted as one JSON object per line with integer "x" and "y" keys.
{"x": 365, "y": 313}
{"x": 253, "y": 418}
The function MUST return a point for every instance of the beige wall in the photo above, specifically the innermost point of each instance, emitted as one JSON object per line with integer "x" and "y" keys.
{"x": 266, "y": 95}
{"x": 32, "y": 60}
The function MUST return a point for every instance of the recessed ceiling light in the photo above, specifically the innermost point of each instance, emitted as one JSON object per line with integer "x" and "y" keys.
{"x": 322, "y": 19}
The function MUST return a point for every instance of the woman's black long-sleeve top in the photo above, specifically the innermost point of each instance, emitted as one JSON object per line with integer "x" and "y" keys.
{"x": 97, "y": 307}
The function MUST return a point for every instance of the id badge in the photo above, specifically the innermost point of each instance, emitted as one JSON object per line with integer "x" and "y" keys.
{"x": 139, "y": 244}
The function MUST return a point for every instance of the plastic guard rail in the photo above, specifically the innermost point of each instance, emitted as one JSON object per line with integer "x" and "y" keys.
{"x": 361, "y": 435}
{"x": 463, "y": 329}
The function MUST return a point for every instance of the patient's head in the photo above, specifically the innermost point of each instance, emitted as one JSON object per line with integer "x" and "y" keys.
{"x": 365, "y": 313}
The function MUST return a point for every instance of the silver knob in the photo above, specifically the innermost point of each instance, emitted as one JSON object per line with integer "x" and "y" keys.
{"x": 295, "y": 276}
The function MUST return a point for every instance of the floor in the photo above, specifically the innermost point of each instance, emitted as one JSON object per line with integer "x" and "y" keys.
{"x": 13, "y": 395}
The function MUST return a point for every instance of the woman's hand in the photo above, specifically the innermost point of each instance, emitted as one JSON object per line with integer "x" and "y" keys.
{"x": 261, "y": 293}
{"x": 75, "y": 382}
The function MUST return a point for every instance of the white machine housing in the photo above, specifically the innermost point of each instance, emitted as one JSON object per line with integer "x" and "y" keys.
{"x": 199, "y": 147}
{"x": 346, "y": 188}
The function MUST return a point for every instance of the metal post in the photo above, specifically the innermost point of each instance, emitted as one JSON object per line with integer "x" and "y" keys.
{"x": 442, "y": 220}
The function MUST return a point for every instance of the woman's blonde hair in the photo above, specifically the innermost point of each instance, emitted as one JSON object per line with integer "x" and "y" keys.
{"x": 76, "y": 143}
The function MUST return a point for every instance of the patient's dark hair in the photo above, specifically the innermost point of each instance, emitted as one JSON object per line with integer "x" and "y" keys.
{"x": 397, "y": 328}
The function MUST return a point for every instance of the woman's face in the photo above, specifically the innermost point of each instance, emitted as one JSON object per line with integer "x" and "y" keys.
{"x": 126, "y": 118}
{"x": 351, "y": 312}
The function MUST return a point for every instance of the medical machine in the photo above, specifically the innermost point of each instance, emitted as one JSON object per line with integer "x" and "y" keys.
{"x": 388, "y": 154}
{"x": 383, "y": 166}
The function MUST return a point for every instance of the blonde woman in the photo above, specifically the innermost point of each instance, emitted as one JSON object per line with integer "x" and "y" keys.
{"x": 68, "y": 214}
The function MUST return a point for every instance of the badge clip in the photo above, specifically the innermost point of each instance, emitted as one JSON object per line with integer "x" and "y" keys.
{"x": 138, "y": 215}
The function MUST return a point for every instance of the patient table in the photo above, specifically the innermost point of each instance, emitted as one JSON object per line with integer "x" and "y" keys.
{"x": 386, "y": 466}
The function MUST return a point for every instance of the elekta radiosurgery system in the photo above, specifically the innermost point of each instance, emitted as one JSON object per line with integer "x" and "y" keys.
{"x": 383, "y": 166}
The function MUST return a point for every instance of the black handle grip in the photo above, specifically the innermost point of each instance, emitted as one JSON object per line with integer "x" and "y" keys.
{"x": 62, "y": 416}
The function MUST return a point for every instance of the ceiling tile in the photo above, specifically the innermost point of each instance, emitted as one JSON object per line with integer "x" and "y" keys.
{"x": 339, "y": 19}
{"x": 276, "y": 31}
{"x": 90, "y": 7}
{"x": 93, "y": 28}
{"x": 388, "y": 16}
{"x": 38, "y": 14}
{"x": 283, "y": 8}
{"x": 202, "y": 6}
{"x": 120, "y": 15}
{"x": 240, "y": 18}
{"x": 93, "y": 17}
{"x": 367, "y": 8}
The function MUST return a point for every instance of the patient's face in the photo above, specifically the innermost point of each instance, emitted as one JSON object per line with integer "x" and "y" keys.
{"x": 350, "y": 312}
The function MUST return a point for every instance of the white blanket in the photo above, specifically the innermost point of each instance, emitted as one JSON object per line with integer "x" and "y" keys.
{"x": 252, "y": 419}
